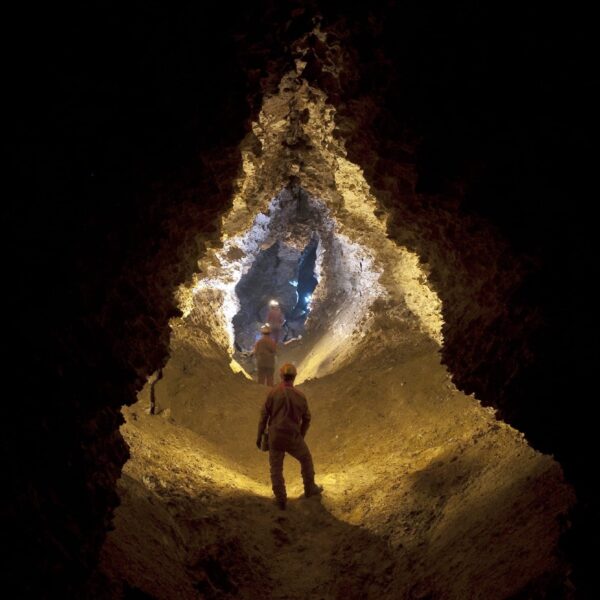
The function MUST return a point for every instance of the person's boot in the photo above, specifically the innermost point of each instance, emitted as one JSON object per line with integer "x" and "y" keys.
{"x": 313, "y": 490}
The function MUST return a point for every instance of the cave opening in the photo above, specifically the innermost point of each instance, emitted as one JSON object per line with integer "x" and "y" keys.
{"x": 283, "y": 274}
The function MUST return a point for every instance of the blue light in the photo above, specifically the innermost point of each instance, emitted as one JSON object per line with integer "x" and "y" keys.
{"x": 308, "y": 298}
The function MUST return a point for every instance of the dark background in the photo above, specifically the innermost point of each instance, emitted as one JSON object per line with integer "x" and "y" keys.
{"x": 123, "y": 126}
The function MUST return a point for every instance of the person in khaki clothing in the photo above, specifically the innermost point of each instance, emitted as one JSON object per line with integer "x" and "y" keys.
{"x": 264, "y": 352}
{"x": 286, "y": 414}
{"x": 275, "y": 319}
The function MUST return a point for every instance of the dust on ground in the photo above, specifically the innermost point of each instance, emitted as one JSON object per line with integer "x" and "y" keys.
{"x": 426, "y": 495}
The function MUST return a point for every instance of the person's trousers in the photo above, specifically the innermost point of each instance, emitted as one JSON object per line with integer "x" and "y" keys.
{"x": 265, "y": 375}
{"x": 299, "y": 450}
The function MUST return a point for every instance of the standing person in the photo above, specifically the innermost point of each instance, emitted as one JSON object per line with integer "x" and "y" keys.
{"x": 275, "y": 319}
{"x": 264, "y": 352}
{"x": 286, "y": 414}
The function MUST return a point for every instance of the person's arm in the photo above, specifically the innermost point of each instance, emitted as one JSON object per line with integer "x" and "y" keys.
{"x": 265, "y": 413}
{"x": 306, "y": 417}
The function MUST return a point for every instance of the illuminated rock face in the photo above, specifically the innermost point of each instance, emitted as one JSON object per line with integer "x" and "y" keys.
{"x": 124, "y": 201}
{"x": 279, "y": 273}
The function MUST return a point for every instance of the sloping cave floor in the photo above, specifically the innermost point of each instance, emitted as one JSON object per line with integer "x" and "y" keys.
{"x": 426, "y": 494}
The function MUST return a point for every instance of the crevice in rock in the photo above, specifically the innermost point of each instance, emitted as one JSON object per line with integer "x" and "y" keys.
{"x": 279, "y": 274}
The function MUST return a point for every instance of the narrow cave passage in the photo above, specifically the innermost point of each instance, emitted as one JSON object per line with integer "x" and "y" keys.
{"x": 446, "y": 151}
{"x": 307, "y": 282}
{"x": 420, "y": 481}
{"x": 426, "y": 494}
{"x": 279, "y": 273}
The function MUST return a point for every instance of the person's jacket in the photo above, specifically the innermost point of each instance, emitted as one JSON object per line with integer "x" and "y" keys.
{"x": 275, "y": 318}
{"x": 285, "y": 412}
{"x": 264, "y": 352}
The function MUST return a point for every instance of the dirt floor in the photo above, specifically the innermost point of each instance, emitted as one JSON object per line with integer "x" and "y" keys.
{"x": 426, "y": 494}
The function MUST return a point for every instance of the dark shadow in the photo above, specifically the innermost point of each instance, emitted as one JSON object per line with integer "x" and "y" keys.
{"x": 446, "y": 476}
{"x": 491, "y": 527}
{"x": 243, "y": 546}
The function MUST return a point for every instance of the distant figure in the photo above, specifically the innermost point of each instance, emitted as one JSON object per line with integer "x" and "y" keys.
{"x": 264, "y": 353}
{"x": 276, "y": 320}
{"x": 287, "y": 417}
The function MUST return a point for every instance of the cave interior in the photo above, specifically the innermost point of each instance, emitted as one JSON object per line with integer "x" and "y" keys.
{"x": 278, "y": 272}
{"x": 409, "y": 184}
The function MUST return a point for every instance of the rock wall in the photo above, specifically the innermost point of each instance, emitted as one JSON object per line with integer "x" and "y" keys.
{"x": 468, "y": 131}
{"x": 128, "y": 127}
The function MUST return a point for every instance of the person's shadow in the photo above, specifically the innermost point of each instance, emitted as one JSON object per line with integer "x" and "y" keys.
{"x": 240, "y": 545}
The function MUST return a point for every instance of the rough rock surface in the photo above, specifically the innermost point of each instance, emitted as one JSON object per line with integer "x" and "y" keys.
{"x": 426, "y": 494}
{"x": 425, "y": 474}
{"x": 130, "y": 131}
